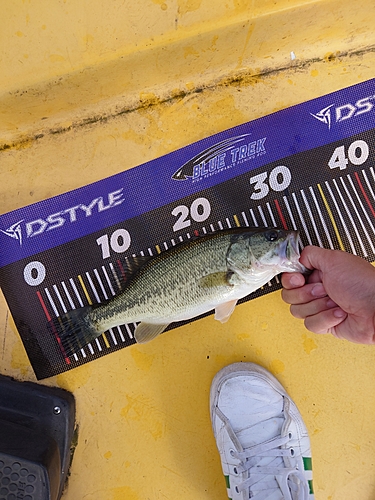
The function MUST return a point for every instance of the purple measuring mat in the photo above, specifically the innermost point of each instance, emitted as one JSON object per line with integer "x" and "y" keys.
{"x": 308, "y": 167}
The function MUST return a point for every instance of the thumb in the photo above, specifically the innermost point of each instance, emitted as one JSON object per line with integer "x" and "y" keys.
{"x": 316, "y": 258}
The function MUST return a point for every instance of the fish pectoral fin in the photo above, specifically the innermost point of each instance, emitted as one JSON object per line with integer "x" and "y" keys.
{"x": 224, "y": 311}
{"x": 145, "y": 332}
{"x": 216, "y": 279}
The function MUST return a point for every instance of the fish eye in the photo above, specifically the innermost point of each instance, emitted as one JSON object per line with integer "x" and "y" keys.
{"x": 272, "y": 235}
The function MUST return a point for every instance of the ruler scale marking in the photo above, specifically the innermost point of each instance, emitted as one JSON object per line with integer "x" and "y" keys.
{"x": 348, "y": 213}
{"x": 312, "y": 219}
{"x": 322, "y": 220}
{"x": 253, "y": 217}
{"x": 69, "y": 297}
{"x": 368, "y": 184}
{"x": 100, "y": 284}
{"x": 118, "y": 328}
{"x": 302, "y": 219}
{"x": 271, "y": 214}
{"x": 364, "y": 194}
{"x": 280, "y": 213}
{"x": 245, "y": 219}
{"x": 341, "y": 217}
{"x": 262, "y": 216}
{"x": 108, "y": 281}
{"x": 357, "y": 214}
{"x": 360, "y": 201}
{"x": 59, "y": 298}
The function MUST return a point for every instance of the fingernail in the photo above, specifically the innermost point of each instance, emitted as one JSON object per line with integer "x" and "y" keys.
{"x": 318, "y": 290}
{"x": 339, "y": 313}
{"x": 296, "y": 280}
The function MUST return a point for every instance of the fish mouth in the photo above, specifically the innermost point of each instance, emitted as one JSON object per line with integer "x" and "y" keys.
{"x": 292, "y": 254}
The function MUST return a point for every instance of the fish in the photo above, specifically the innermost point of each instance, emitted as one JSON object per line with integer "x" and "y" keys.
{"x": 210, "y": 272}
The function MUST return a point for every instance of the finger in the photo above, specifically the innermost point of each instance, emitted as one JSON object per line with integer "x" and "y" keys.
{"x": 324, "y": 321}
{"x": 341, "y": 331}
{"x": 302, "y": 311}
{"x": 292, "y": 280}
{"x": 303, "y": 294}
{"x": 313, "y": 257}
{"x": 315, "y": 277}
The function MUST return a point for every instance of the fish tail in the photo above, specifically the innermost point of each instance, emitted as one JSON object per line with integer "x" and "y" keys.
{"x": 73, "y": 330}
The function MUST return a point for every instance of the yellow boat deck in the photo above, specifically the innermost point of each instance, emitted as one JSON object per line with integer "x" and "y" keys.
{"x": 89, "y": 89}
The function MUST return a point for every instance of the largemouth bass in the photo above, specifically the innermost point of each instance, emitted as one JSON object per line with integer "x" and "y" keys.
{"x": 210, "y": 272}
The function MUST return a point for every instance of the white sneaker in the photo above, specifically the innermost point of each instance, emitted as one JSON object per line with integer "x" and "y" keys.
{"x": 262, "y": 440}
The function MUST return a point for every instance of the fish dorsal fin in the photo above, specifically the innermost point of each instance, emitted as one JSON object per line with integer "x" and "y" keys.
{"x": 145, "y": 332}
{"x": 224, "y": 311}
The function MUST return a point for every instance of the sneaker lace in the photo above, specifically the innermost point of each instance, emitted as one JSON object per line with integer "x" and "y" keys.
{"x": 274, "y": 476}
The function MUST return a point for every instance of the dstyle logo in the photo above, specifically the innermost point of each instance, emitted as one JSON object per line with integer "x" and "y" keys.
{"x": 335, "y": 114}
{"x": 14, "y": 231}
{"x": 20, "y": 229}
{"x": 219, "y": 157}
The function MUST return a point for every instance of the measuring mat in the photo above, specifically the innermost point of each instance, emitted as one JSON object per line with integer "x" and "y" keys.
{"x": 308, "y": 167}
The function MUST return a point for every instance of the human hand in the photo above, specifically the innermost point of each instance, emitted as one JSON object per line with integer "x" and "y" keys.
{"x": 338, "y": 297}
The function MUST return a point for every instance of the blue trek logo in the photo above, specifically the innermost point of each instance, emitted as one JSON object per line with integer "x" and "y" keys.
{"x": 21, "y": 229}
{"x": 219, "y": 157}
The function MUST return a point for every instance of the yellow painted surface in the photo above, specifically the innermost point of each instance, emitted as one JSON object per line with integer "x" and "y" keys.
{"x": 88, "y": 90}
{"x": 66, "y": 63}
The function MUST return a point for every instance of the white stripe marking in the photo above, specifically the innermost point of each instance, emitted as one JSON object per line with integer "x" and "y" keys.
{"x": 290, "y": 213}
{"x": 302, "y": 218}
{"x": 262, "y": 216}
{"x": 357, "y": 213}
{"x": 348, "y": 213}
{"x": 245, "y": 219}
{"x": 113, "y": 336}
{"x": 271, "y": 215}
{"x": 253, "y": 217}
{"x": 321, "y": 218}
{"x": 300, "y": 244}
{"x": 76, "y": 291}
{"x": 368, "y": 184}
{"x": 361, "y": 204}
{"x": 57, "y": 292}
{"x": 71, "y": 303}
{"x": 101, "y": 284}
{"x": 129, "y": 331}
{"x": 120, "y": 333}
{"x": 108, "y": 280}
{"x": 52, "y": 303}
{"x": 348, "y": 235}
{"x": 311, "y": 218}
{"x": 93, "y": 287}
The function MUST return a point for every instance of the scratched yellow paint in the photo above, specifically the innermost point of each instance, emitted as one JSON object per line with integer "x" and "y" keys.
{"x": 142, "y": 359}
{"x": 276, "y": 366}
{"x": 88, "y": 90}
{"x": 309, "y": 343}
